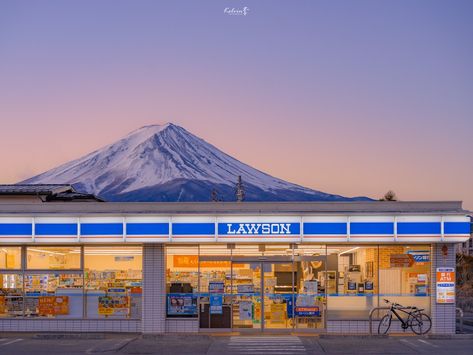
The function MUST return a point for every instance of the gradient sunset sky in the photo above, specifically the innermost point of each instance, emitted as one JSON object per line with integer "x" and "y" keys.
{"x": 350, "y": 97}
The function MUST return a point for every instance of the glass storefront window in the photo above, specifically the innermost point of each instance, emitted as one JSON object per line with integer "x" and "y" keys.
{"x": 53, "y": 295}
{"x": 404, "y": 275}
{"x": 310, "y": 300}
{"x": 10, "y": 257}
{"x": 11, "y": 295}
{"x": 350, "y": 281}
{"x": 182, "y": 280}
{"x": 113, "y": 281}
{"x": 53, "y": 258}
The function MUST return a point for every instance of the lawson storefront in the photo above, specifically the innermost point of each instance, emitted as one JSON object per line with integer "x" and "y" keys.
{"x": 208, "y": 267}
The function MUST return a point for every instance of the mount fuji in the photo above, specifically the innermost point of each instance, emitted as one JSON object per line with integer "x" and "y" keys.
{"x": 168, "y": 163}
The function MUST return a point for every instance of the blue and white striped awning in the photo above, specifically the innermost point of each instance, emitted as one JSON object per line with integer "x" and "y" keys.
{"x": 241, "y": 228}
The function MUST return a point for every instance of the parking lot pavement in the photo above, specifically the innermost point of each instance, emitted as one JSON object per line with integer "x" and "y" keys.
{"x": 22, "y": 344}
{"x": 19, "y": 344}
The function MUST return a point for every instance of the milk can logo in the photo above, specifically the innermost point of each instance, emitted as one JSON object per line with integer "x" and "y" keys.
{"x": 232, "y": 11}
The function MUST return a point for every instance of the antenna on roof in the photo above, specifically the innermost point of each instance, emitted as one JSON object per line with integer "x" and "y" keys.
{"x": 240, "y": 190}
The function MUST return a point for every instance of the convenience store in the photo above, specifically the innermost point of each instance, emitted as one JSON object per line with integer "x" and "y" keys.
{"x": 219, "y": 267}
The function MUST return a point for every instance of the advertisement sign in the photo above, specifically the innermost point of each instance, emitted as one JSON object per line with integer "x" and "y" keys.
{"x": 278, "y": 312}
{"x": 420, "y": 256}
{"x": 182, "y": 304}
{"x": 53, "y": 305}
{"x": 192, "y": 261}
{"x": 2, "y": 305}
{"x": 245, "y": 310}
{"x": 216, "y": 304}
{"x": 216, "y": 287}
{"x": 113, "y": 305}
{"x": 310, "y": 287}
{"x": 401, "y": 260}
{"x": 245, "y": 288}
{"x": 445, "y": 285}
{"x": 313, "y": 311}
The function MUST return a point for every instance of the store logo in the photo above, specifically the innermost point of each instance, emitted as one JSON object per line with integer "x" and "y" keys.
{"x": 258, "y": 228}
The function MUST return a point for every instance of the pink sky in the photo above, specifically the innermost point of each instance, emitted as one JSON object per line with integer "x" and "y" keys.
{"x": 353, "y": 99}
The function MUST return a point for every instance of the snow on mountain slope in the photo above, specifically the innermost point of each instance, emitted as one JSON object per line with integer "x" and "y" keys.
{"x": 164, "y": 160}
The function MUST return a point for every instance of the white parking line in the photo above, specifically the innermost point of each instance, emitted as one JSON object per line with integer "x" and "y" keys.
{"x": 409, "y": 343}
{"x": 11, "y": 342}
{"x": 426, "y": 342}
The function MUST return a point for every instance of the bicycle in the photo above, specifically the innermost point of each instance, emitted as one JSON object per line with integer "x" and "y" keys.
{"x": 420, "y": 323}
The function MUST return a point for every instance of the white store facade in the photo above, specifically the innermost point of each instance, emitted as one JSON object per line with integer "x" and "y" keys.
{"x": 218, "y": 267}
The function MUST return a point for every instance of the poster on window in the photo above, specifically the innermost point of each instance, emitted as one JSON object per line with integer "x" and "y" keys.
{"x": 216, "y": 287}
{"x": 53, "y": 305}
{"x": 313, "y": 311}
{"x": 216, "y": 304}
{"x": 245, "y": 310}
{"x": 310, "y": 287}
{"x": 182, "y": 304}
{"x": 113, "y": 305}
{"x": 445, "y": 285}
{"x": 278, "y": 312}
{"x": 2, "y": 305}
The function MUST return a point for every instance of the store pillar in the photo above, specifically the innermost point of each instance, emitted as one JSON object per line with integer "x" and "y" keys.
{"x": 154, "y": 289}
{"x": 443, "y": 314}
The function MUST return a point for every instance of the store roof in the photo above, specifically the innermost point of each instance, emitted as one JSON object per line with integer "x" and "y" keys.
{"x": 34, "y": 189}
{"x": 46, "y": 192}
{"x": 222, "y": 208}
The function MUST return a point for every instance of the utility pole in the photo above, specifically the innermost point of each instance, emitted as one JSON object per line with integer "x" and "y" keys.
{"x": 240, "y": 190}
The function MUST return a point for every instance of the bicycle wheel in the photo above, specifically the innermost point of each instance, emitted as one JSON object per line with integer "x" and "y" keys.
{"x": 421, "y": 323}
{"x": 384, "y": 324}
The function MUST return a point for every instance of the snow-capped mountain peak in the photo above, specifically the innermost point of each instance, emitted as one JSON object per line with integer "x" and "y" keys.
{"x": 165, "y": 163}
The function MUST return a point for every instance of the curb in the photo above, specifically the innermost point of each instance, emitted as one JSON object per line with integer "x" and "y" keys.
{"x": 450, "y": 336}
{"x": 69, "y": 336}
{"x": 111, "y": 347}
{"x": 353, "y": 336}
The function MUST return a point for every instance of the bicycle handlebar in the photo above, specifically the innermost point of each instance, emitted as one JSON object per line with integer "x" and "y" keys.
{"x": 397, "y": 305}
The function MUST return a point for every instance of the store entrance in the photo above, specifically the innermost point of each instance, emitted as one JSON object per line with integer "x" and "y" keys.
{"x": 263, "y": 296}
{"x": 258, "y": 293}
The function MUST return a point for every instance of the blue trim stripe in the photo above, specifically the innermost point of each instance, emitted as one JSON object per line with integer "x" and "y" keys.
{"x": 325, "y": 228}
{"x": 456, "y": 228}
{"x": 193, "y": 228}
{"x": 411, "y": 228}
{"x": 147, "y": 228}
{"x": 16, "y": 229}
{"x": 377, "y": 228}
{"x": 56, "y": 229}
{"x": 101, "y": 229}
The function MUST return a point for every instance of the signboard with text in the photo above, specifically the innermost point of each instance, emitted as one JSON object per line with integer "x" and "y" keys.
{"x": 53, "y": 305}
{"x": 445, "y": 285}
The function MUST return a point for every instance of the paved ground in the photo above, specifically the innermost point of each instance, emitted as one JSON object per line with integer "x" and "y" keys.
{"x": 20, "y": 344}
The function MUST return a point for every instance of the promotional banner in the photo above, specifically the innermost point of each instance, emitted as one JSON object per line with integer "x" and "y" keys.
{"x": 113, "y": 305}
{"x": 53, "y": 305}
{"x": 445, "y": 285}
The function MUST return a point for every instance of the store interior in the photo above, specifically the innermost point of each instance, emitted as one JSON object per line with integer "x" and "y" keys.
{"x": 238, "y": 283}
{"x": 55, "y": 284}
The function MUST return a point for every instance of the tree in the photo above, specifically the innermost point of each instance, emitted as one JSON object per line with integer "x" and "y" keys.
{"x": 214, "y": 196}
{"x": 389, "y": 196}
